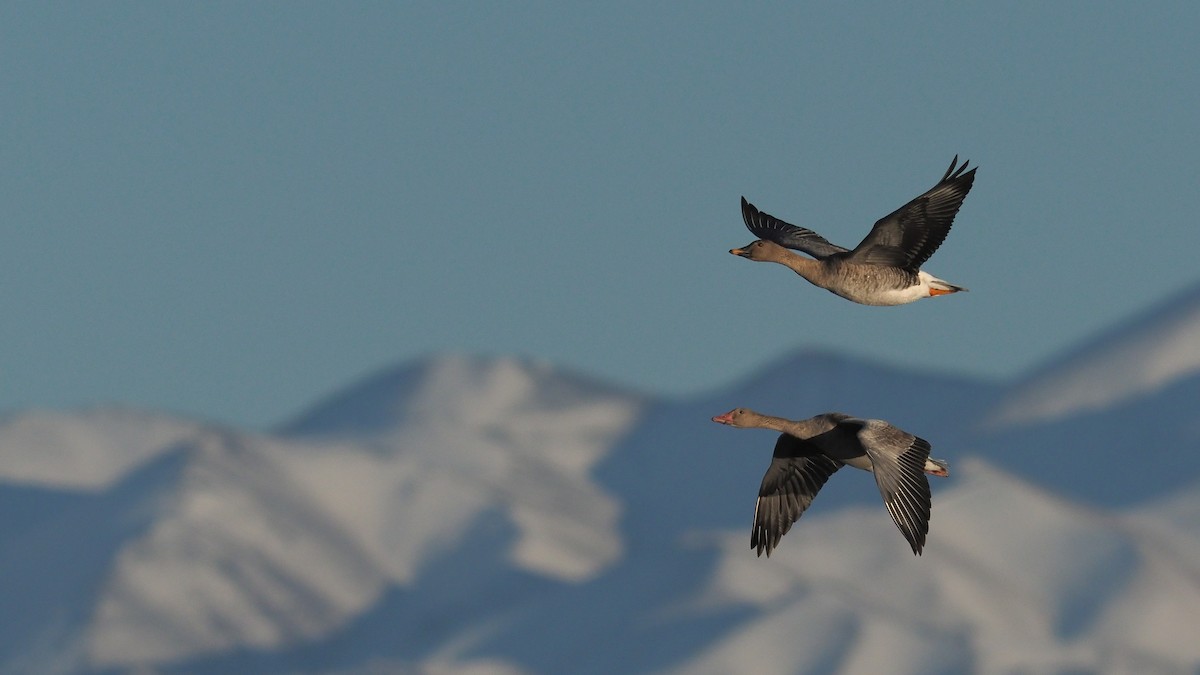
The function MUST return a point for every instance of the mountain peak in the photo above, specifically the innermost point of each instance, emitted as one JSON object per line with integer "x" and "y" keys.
{"x": 446, "y": 386}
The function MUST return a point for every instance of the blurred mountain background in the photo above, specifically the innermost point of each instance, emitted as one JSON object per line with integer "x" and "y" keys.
{"x": 469, "y": 514}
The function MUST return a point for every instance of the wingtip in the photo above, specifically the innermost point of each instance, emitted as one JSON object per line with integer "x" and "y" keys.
{"x": 749, "y": 213}
{"x": 956, "y": 171}
{"x": 917, "y": 545}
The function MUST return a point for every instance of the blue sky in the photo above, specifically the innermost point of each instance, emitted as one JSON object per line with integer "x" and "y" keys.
{"x": 230, "y": 209}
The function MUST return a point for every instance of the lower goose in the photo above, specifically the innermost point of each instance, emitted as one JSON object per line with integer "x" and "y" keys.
{"x": 809, "y": 451}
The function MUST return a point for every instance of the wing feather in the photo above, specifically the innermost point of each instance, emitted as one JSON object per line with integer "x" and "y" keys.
{"x": 907, "y": 237}
{"x": 898, "y": 462}
{"x": 797, "y": 472}
{"x": 766, "y": 226}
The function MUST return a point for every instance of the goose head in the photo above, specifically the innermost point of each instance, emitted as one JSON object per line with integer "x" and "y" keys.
{"x": 761, "y": 250}
{"x": 739, "y": 418}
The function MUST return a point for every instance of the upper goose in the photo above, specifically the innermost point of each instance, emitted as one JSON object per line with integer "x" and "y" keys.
{"x": 809, "y": 451}
{"x": 885, "y": 268}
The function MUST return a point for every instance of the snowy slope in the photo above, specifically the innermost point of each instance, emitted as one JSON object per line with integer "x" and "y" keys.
{"x": 235, "y": 555}
{"x": 87, "y": 449}
{"x": 1138, "y": 356}
{"x": 1125, "y": 454}
{"x": 56, "y": 546}
{"x": 206, "y": 546}
{"x": 470, "y": 435}
{"x": 1112, "y": 422}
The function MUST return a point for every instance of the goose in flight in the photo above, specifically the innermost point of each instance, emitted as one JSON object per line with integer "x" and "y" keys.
{"x": 809, "y": 451}
{"x": 885, "y": 268}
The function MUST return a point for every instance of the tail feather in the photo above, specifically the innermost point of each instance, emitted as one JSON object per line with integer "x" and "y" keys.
{"x": 944, "y": 286}
{"x": 937, "y": 467}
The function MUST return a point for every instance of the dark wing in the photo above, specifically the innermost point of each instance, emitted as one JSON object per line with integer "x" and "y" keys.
{"x": 898, "y": 462}
{"x": 765, "y": 226}
{"x": 797, "y": 472}
{"x": 907, "y": 237}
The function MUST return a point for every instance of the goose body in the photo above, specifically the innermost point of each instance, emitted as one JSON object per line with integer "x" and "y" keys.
{"x": 885, "y": 268}
{"x": 809, "y": 451}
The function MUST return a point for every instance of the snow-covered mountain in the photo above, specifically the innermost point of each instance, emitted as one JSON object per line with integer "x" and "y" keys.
{"x": 464, "y": 514}
{"x": 1139, "y": 356}
{"x": 1114, "y": 421}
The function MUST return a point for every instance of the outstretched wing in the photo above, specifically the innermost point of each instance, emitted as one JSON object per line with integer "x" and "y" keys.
{"x": 797, "y": 472}
{"x": 898, "y": 462}
{"x": 907, "y": 237}
{"x": 766, "y": 226}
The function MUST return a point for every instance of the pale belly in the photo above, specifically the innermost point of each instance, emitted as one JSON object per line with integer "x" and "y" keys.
{"x": 899, "y": 296}
{"x": 881, "y": 288}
